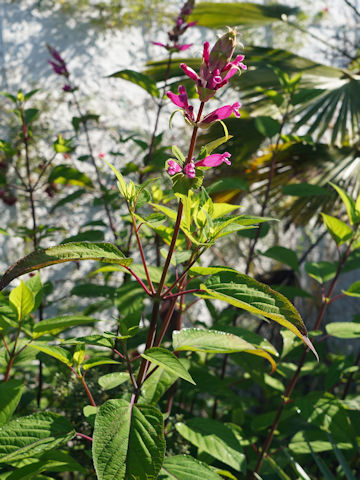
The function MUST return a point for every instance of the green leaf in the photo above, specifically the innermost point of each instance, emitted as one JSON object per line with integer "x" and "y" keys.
{"x": 53, "y": 326}
{"x": 246, "y": 293}
{"x": 68, "y": 199}
{"x": 236, "y": 184}
{"x": 353, "y": 290}
{"x": 340, "y": 231}
{"x": 23, "y": 300}
{"x": 304, "y": 190}
{"x": 213, "y": 341}
{"x": 184, "y": 467}
{"x": 267, "y": 126}
{"x": 128, "y": 441}
{"x": 167, "y": 360}
{"x": 321, "y": 271}
{"x": 349, "y": 204}
{"x": 283, "y": 255}
{"x": 178, "y": 154}
{"x": 139, "y": 79}
{"x": 54, "y": 351}
{"x": 156, "y": 385}
{"x": 30, "y": 114}
{"x": 10, "y": 394}
{"x": 30, "y": 436}
{"x": 92, "y": 290}
{"x": 315, "y": 439}
{"x": 216, "y": 439}
{"x": 211, "y": 146}
{"x": 322, "y": 466}
{"x": 276, "y": 468}
{"x": 341, "y": 459}
{"x": 87, "y": 236}
{"x": 103, "y": 252}
{"x": 68, "y": 175}
{"x": 103, "y": 361}
{"x": 216, "y": 15}
{"x": 343, "y": 329}
{"x": 113, "y": 380}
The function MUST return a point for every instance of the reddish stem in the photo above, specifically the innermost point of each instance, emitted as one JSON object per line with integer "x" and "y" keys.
{"x": 141, "y": 250}
{"x": 183, "y": 292}
{"x": 82, "y": 435}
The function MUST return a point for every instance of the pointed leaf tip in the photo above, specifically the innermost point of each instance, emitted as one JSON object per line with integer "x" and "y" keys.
{"x": 311, "y": 346}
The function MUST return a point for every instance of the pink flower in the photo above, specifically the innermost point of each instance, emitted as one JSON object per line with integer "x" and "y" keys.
{"x": 173, "y": 167}
{"x": 214, "y": 160}
{"x": 220, "y": 114}
{"x": 175, "y": 47}
{"x": 181, "y": 101}
{"x": 216, "y": 67}
{"x": 189, "y": 169}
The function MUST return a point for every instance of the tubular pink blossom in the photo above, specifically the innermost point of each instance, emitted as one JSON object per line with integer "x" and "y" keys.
{"x": 206, "y": 52}
{"x": 159, "y": 44}
{"x": 221, "y": 113}
{"x": 189, "y": 72}
{"x": 173, "y": 167}
{"x": 214, "y": 160}
{"x": 181, "y": 48}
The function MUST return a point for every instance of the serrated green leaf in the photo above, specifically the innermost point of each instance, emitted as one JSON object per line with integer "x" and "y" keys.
{"x": 267, "y": 126}
{"x": 68, "y": 175}
{"x": 10, "y": 394}
{"x": 139, "y": 79}
{"x": 246, "y": 293}
{"x": 167, "y": 360}
{"x": 30, "y": 436}
{"x": 353, "y": 290}
{"x": 53, "y": 326}
{"x": 283, "y": 255}
{"x": 23, "y": 300}
{"x": 184, "y": 467}
{"x": 128, "y": 441}
{"x": 343, "y": 329}
{"x": 113, "y": 380}
{"x": 156, "y": 386}
{"x": 321, "y": 271}
{"x": 54, "y": 351}
{"x": 102, "y": 252}
{"x": 340, "y": 231}
{"x": 213, "y": 341}
{"x": 216, "y": 439}
{"x": 349, "y": 204}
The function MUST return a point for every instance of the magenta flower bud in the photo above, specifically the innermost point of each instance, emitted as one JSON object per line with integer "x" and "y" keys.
{"x": 181, "y": 101}
{"x": 214, "y": 160}
{"x": 173, "y": 167}
{"x": 189, "y": 72}
{"x": 222, "y": 51}
{"x": 190, "y": 169}
{"x": 220, "y": 114}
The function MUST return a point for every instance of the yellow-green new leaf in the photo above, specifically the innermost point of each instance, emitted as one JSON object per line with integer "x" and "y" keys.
{"x": 341, "y": 232}
{"x": 213, "y": 341}
{"x": 54, "y": 351}
{"x": 23, "y": 300}
{"x": 244, "y": 292}
{"x": 349, "y": 204}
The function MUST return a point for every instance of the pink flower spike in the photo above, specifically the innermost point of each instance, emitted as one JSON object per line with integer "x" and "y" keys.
{"x": 189, "y": 72}
{"x": 173, "y": 167}
{"x": 221, "y": 113}
{"x": 214, "y": 160}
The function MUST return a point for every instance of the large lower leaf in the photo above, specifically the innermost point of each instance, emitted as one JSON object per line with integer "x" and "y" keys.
{"x": 213, "y": 341}
{"x": 184, "y": 467}
{"x": 103, "y": 252}
{"x": 128, "y": 441}
{"x": 216, "y": 439}
{"x": 30, "y": 436}
{"x": 10, "y": 394}
{"x": 244, "y": 292}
